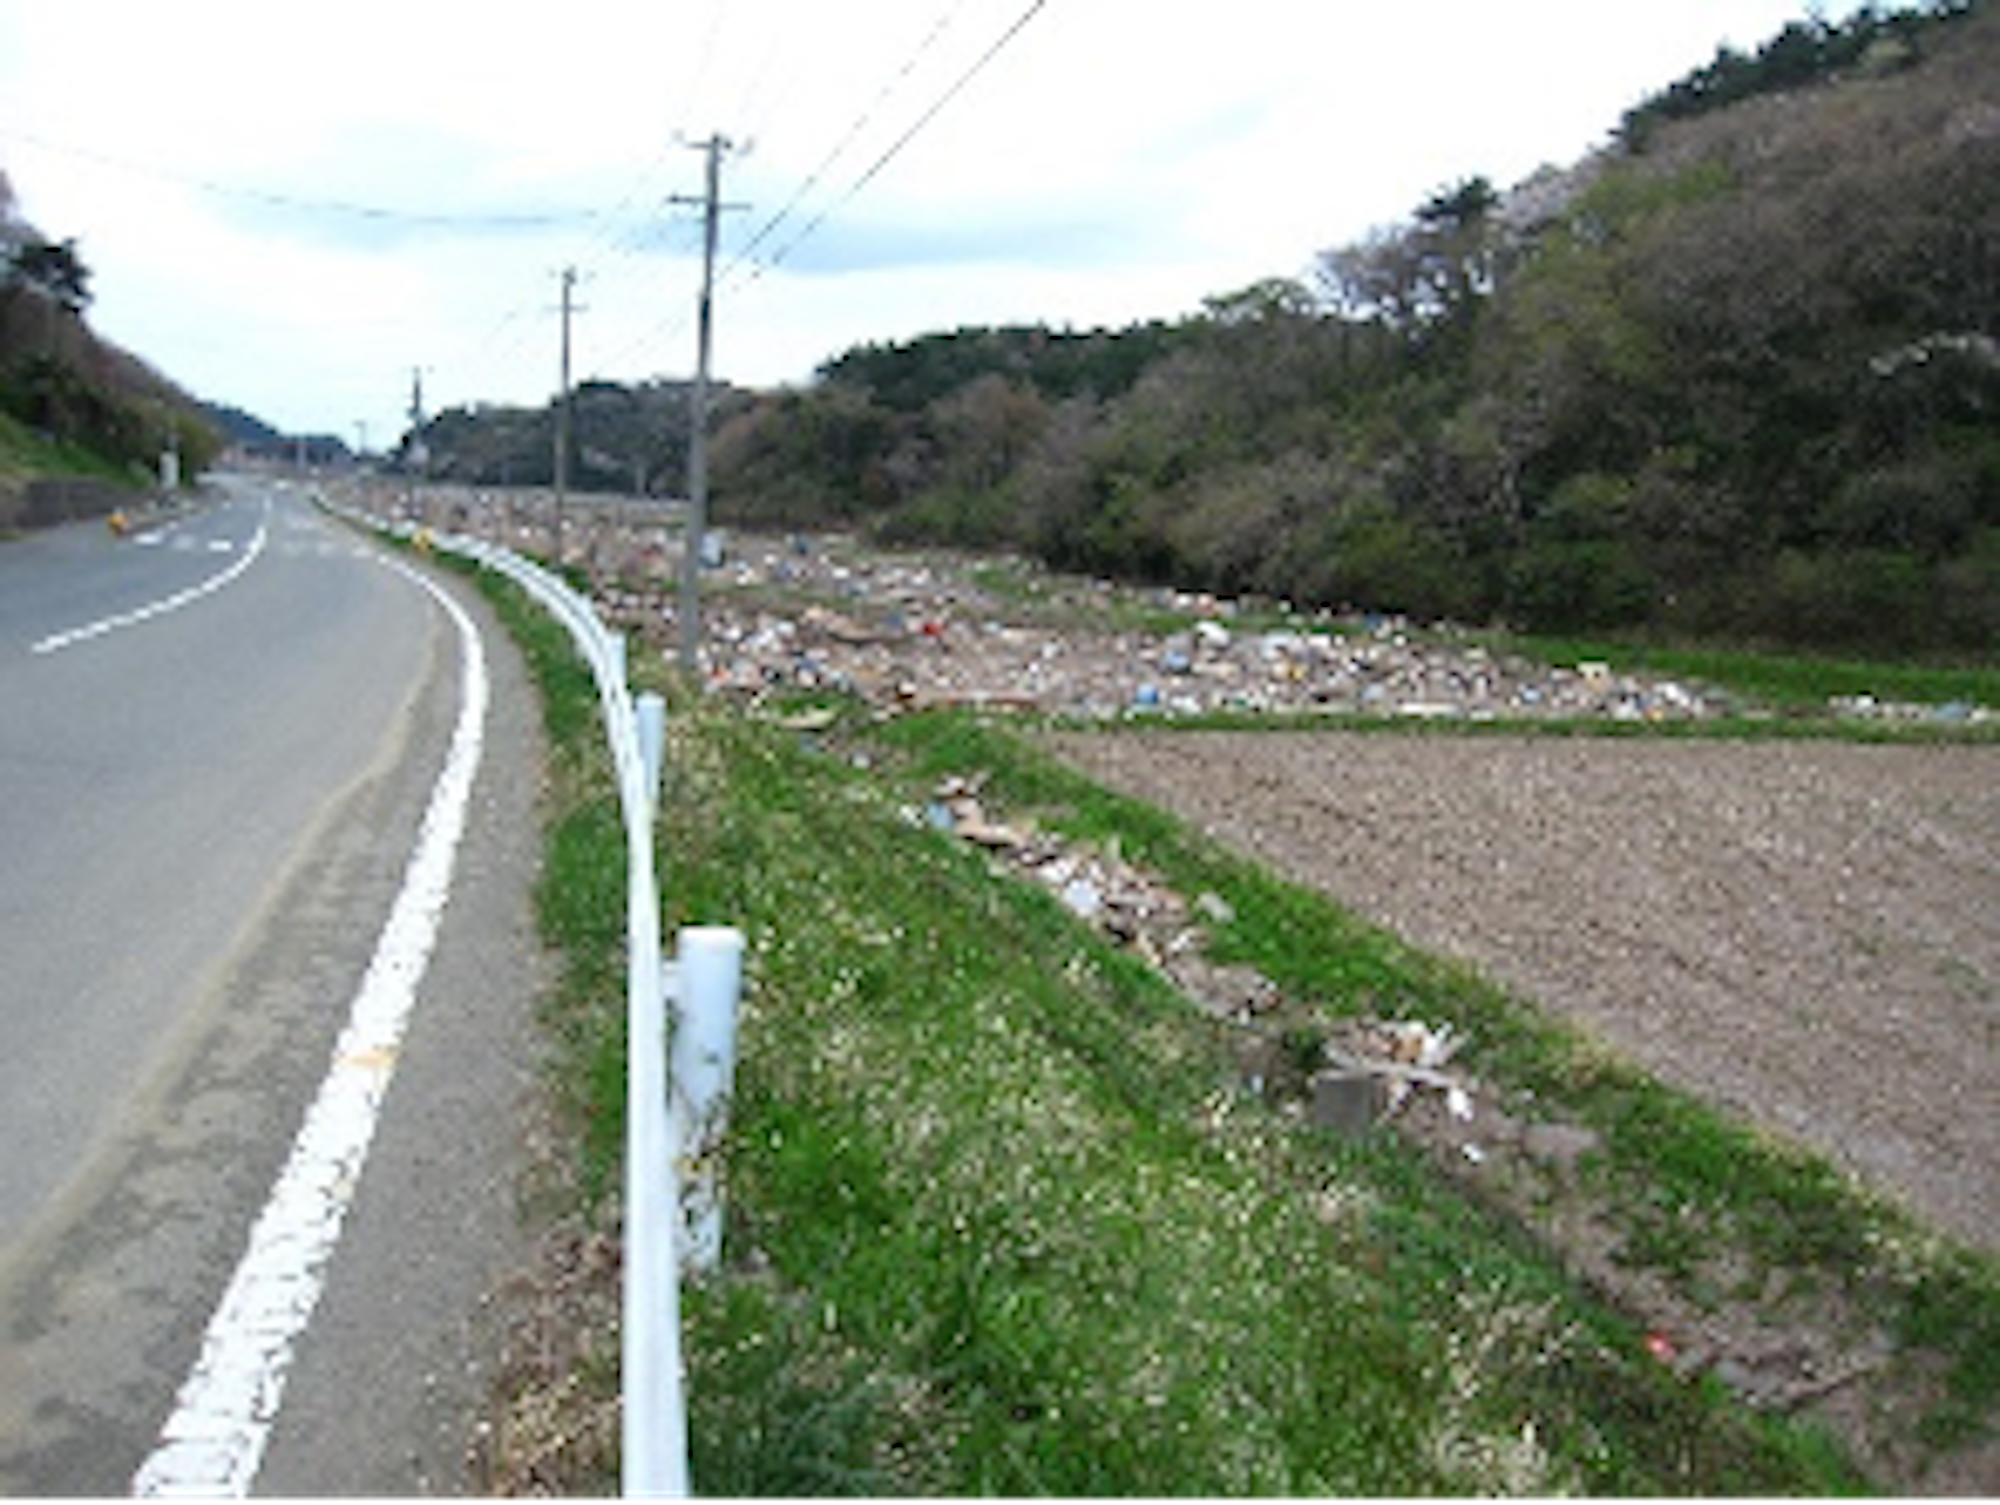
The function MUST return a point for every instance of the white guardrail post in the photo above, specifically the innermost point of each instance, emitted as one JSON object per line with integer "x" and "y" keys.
{"x": 654, "y": 1436}
{"x": 709, "y": 980}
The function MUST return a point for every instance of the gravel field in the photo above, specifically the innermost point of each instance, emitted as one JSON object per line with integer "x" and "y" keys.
{"x": 1805, "y": 933}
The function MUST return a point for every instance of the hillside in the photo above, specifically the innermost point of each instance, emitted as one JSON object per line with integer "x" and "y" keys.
{"x": 80, "y": 419}
{"x": 1736, "y": 377}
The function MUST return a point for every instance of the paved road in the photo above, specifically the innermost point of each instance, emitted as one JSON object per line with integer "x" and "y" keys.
{"x": 217, "y": 743}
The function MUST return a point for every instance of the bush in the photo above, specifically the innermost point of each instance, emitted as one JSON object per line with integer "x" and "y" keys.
{"x": 1562, "y": 586}
{"x": 1372, "y": 557}
{"x": 1861, "y": 598}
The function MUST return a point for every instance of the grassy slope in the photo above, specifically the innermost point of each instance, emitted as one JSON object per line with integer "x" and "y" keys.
{"x": 26, "y": 456}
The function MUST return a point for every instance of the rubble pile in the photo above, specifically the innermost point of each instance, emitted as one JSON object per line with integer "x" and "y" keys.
{"x": 1132, "y": 907}
{"x": 1367, "y": 1071}
{"x": 915, "y": 632}
{"x": 918, "y": 630}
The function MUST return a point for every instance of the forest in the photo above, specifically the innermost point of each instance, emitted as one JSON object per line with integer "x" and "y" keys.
{"x": 1735, "y": 375}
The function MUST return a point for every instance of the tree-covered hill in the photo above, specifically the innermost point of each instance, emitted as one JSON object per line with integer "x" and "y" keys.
{"x": 1739, "y": 375}
{"x": 629, "y": 439}
{"x": 72, "y": 403}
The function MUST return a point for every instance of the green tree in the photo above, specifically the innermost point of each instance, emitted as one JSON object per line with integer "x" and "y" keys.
{"x": 1424, "y": 276}
{"x": 54, "y": 269}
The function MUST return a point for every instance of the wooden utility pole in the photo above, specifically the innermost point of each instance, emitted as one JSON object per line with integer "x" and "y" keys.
{"x": 416, "y": 454}
{"x": 568, "y": 275}
{"x": 697, "y": 518}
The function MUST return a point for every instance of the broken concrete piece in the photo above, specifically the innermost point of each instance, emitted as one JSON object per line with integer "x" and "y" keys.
{"x": 989, "y": 834}
{"x": 1349, "y": 1101}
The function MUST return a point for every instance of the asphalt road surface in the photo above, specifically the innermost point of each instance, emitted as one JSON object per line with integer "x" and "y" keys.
{"x": 218, "y": 742}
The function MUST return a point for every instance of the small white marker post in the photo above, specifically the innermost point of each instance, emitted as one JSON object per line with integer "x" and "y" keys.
{"x": 703, "y": 1066}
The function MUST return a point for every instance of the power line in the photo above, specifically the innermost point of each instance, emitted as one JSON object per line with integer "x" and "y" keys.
{"x": 860, "y": 123}
{"x": 916, "y": 128}
{"x": 302, "y": 204}
{"x": 615, "y": 228}
{"x": 676, "y": 323}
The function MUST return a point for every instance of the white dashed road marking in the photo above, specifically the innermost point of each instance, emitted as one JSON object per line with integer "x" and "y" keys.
{"x": 159, "y": 608}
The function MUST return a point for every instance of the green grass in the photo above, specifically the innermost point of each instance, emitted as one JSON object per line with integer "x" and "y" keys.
{"x": 25, "y": 453}
{"x": 1790, "y": 682}
{"x": 580, "y": 894}
{"x": 25, "y": 456}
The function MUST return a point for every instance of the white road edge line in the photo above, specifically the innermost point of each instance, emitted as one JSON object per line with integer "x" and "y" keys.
{"x": 60, "y": 640}
{"x": 214, "y": 1441}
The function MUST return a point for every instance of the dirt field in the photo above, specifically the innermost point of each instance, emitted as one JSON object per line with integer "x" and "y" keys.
{"x": 1806, "y": 933}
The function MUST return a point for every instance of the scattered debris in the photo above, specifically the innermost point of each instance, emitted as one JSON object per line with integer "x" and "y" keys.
{"x": 1133, "y": 908}
{"x": 1369, "y": 1076}
{"x": 1908, "y": 712}
{"x": 918, "y": 630}
{"x": 1404, "y": 1056}
{"x": 912, "y": 633}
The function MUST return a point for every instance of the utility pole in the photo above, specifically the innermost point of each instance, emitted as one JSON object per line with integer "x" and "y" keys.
{"x": 419, "y": 451}
{"x": 417, "y": 454}
{"x": 697, "y": 518}
{"x": 568, "y": 275}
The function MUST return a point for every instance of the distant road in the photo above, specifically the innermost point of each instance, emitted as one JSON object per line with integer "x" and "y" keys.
{"x": 218, "y": 740}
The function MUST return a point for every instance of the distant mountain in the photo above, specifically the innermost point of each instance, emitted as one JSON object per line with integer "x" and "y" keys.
{"x": 245, "y": 430}
{"x": 248, "y": 434}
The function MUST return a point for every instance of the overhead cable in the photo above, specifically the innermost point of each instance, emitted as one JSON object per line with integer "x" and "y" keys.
{"x": 916, "y": 128}
{"x": 299, "y": 203}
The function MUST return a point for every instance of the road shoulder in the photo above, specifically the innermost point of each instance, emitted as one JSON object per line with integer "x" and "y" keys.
{"x": 394, "y": 1371}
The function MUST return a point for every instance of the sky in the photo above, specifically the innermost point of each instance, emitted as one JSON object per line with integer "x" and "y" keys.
{"x": 294, "y": 206}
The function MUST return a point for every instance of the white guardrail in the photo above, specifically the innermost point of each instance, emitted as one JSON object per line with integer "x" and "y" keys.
{"x": 673, "y": 1206}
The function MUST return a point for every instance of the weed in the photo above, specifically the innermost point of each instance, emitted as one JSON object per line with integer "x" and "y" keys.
{"x": 580, "y": 895}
